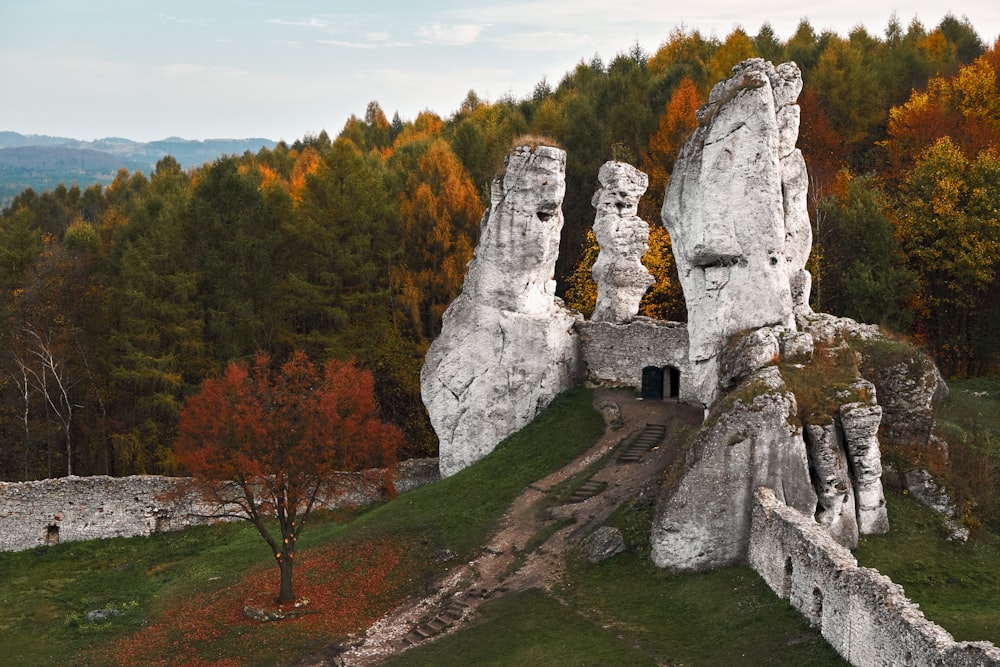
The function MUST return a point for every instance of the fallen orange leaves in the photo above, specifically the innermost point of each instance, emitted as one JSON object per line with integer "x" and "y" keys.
{"x": 348, "y": 586}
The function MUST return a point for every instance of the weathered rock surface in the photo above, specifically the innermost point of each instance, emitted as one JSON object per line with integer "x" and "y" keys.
{"x": 832, "y": 480}
{"x": 752, "y": 439}
{"x": 735, "y": 209}
{"x": 602, "y": 544}
{"x": 623, "y": 238}
{"x": 908, "y": 387}
{"x": 907, "y": 381}
{"x": 507, "y": 345}
{"x": 922, "y": 486}
{"x": 830, "y": 329}
{"x": 860, "y": 422}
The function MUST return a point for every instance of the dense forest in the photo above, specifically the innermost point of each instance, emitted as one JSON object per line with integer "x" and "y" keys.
{"x": 119, "y": 301}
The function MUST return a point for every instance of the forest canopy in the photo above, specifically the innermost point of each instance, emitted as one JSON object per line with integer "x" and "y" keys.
{"x": 120, "y": 301}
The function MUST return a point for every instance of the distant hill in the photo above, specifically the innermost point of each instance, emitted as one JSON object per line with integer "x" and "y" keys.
{"x": 42, "y": 162}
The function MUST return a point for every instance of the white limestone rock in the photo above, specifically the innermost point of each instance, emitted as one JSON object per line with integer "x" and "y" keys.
{"x": 735, "y": 211}
{"x": 746, "y": 353}
{"x": 507, "y": 345}
{"x": 752, "y": 440}
{"x": 860, "y": 422}
{"x": 830, "y": 329}
{"x": 832, "y": 479}
{"x": 623, "y": 238}
{"x": 513, "y": 266}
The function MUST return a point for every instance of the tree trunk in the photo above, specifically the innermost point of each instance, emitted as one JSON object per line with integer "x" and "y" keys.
{"x": 286, "y": 564}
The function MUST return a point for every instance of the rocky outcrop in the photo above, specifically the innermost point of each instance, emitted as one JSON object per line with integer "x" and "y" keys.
{"x": 735, "y": 209}
{"x": 832, "y": 480}
{"x": 860, "y": 422}
{"x": 907, "y": 381}
{"x": 909, "y": 385}
{"x": 623, "y": 238}
{"x": 736, "y": 212}
{"x": 751, "y": 439}
{"x": 507, "y": 345}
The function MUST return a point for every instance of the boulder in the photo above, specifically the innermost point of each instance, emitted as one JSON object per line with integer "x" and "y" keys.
{"x": 623, "y": 238}
{"x": 602, "y": 544}
{"x": 507, "y": 345}
{"x": 101, "y": 615}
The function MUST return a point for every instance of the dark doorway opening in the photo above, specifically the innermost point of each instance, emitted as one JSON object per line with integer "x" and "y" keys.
{"x": 652, "y": 383}
{"x": 675, "y": 381}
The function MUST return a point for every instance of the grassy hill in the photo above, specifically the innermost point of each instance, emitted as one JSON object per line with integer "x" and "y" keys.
{"x": 178, "y": 597}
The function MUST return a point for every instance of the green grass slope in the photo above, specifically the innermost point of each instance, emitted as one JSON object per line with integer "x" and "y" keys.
{"x": 179, "y": 595}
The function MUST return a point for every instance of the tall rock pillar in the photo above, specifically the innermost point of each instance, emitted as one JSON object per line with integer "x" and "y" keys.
{"x": 507, "y": 345}
{"x": 623, "y": 238}
{"x": 735, "y": 211}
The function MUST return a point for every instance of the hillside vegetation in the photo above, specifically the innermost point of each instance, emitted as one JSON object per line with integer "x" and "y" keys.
{"x": 179, "y": 596}
{"x": 43, "y": 162}
{"x": 119, "y": 301}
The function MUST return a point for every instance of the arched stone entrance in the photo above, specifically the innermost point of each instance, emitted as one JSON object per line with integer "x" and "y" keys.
{"x": 652, "y": 383}
{"x": 661, "y": 382}
{"x": 674, "y": 375}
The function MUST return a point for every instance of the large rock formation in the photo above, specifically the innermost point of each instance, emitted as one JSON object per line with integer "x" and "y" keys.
{"x": 788, "y": 408}
{"x": 735, "y": 209}
{"x": 507, "y": 345}
{"x": 623, "y": 238}
{"x": 753, "y": 440}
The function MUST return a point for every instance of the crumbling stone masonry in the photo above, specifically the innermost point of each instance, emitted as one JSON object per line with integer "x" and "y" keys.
{"x": 68, "y": 509}
{"x": 616, "y": 354}
{"x": 864, "y": 615}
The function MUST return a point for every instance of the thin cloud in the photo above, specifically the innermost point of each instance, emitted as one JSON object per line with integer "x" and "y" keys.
{"x": 175, "y": 19}
{"x": 346, "y": 45}
{"x": 319, "y": 24}
{"x": 548, "y": 41}
{"x": 452, "y": 35}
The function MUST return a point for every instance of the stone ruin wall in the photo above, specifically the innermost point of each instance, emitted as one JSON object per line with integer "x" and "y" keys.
{"x": 615, "y": 354}
{"x": 68, "y": 509}
{"x": 864, "y": 615}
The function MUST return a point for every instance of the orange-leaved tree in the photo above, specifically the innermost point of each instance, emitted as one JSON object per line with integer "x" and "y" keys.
{"x": 266, "y": 443}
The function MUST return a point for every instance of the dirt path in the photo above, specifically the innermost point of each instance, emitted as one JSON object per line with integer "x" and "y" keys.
{"x": 461, "y": 591}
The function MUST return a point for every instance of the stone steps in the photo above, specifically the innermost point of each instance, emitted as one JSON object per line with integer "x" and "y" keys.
{"x": 444, "y": 619}
{"x": 637, "y": 446}
{"x": 587, "y": 490}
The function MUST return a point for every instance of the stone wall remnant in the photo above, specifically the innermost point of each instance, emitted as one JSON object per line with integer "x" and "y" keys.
{"x": 864, "y": 616}
{"x": 69, "y": 509}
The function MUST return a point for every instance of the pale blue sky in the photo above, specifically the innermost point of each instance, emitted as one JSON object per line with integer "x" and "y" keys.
{"x": 237, "y": 68}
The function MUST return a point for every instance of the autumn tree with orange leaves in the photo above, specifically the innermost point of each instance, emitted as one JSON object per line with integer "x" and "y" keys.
{"x": 265, "y": 443}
